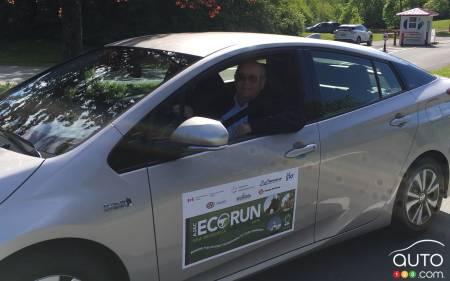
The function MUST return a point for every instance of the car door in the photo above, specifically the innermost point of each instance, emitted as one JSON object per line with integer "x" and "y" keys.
{"x": 365, "y": 138}
{"x": 320, "y": 27}
{"x": 218, "y": 212}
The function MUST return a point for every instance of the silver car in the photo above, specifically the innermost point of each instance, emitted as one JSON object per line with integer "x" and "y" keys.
{"x": 355, "y": 33}
{"x": 106, "y": 176}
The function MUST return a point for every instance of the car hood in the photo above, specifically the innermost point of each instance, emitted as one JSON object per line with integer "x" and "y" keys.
{"x": 15, "y": 169}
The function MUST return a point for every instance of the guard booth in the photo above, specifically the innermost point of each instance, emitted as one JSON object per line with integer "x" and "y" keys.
{"x": 415, "y": 26}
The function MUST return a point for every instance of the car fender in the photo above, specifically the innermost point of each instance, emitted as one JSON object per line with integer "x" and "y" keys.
{"x": 434, "y": 125}
{"x": 66, "y": 198}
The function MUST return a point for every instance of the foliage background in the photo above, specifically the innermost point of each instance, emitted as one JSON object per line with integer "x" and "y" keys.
{"x": 104, "y": 21}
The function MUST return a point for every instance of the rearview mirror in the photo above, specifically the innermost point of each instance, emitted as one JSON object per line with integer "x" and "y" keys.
{"x": 201, "y": 134}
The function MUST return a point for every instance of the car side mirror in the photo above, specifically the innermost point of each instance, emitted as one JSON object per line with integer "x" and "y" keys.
{"x": 201, "y": 134}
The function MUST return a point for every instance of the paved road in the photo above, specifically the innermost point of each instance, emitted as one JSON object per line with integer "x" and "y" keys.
{"x": 15, "y": 74}
{"x": 429, "y": 58}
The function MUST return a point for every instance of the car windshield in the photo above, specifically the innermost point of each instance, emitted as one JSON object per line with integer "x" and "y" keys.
{"x": 66, "y": 105}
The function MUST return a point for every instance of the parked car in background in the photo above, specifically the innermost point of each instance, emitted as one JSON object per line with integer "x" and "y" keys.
{"x": 103, "y": 177}
{"x": 355, "y": 33}
{"x": 323, "y": 27}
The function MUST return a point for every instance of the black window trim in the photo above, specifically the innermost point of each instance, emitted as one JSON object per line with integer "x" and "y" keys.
{"x": 401, "y": 78}
{"x": 397, "y": 76}
{"x": 375, "y": 72}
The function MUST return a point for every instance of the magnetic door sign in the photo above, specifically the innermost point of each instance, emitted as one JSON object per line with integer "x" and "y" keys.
{"x": 225, "y": 218}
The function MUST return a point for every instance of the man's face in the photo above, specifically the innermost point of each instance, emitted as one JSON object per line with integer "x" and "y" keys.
{"x": 249, "y": 81}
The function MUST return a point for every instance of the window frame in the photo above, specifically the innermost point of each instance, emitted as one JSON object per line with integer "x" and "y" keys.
{"x": 315, "y": 95}
{"x": 412, "y": 22}
{"x": 220, "y": 65}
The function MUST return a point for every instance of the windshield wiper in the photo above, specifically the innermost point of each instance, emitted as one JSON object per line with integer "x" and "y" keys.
{"x": 18, "y": 141}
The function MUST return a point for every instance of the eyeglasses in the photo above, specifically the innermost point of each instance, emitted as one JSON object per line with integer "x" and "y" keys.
{"x": 251, "y": 78}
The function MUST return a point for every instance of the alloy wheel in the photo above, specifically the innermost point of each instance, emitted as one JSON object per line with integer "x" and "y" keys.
{"x": 422, "y": 197}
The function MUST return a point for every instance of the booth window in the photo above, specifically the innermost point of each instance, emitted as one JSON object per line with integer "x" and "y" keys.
{"x": 412, "y": 22}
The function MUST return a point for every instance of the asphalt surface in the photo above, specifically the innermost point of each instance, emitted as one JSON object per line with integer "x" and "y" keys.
{"x": 429, "y": 58}
{"x": 365, "y": 258}
{"x": 16, "y": 74}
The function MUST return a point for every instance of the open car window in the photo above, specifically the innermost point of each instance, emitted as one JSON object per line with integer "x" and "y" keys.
{"x": 212, "y": 95}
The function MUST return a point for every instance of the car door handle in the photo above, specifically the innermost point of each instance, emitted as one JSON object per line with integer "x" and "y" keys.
{"x": 400, "y": 120}
{"x": 296, "y": 152}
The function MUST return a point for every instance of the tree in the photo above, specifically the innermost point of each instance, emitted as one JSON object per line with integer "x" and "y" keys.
{"x": 440, "y": 6}
{"x": 350, "y": 14}
{"x": 371, "y": 12}
{"x": 391, "y": 8}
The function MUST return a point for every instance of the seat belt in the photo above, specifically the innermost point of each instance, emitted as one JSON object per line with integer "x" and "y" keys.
{"x": 236, "y": 117}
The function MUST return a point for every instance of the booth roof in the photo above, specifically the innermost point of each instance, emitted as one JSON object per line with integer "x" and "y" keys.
{"x": 418, "y": 12}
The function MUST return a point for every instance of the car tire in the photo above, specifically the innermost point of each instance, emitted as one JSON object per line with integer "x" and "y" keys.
{"x": 358, "y": 40}
{"x": 49, "y": 264}
{"x": 369, "y": 43}
{"x": 419, "y": 197}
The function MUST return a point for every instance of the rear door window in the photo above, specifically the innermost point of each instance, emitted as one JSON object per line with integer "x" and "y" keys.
{"x": 343, "y": 81}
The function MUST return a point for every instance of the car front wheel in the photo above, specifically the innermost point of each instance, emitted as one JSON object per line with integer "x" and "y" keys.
{"x": 358, "y": 40}
{"x": 419, "y": 197}
{"x": 59, "y": 265}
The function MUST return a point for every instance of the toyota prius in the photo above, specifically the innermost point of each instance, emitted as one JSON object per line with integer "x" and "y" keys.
{"x": 117, "y": 165}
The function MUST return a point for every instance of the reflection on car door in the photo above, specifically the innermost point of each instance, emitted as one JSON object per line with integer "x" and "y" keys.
{"x": 242, "y": 170}
{"x": 362, "y": 150}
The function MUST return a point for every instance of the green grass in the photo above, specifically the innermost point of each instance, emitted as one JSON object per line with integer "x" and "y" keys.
{"x": 329, "y": 36}
{"x": 32, "y": 53}
{"x": 445, "y": 71}
{"x": 441, "y": 25}
{"x": 378, "y": 37}
{"x": 4, "y": 87}
{"x": 443, "y": 33}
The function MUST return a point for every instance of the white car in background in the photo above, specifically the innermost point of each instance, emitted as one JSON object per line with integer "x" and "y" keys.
{"x": 355, "y": 33}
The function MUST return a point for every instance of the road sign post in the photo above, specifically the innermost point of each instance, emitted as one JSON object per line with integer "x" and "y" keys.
{"x": 385, "y": 37}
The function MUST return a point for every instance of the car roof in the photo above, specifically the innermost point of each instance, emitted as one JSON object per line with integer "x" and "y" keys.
{"x": 202, "y": 43}
{"x": 205, "y": 43}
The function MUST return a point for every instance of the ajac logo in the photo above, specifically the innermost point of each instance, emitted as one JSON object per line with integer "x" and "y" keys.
{"x": 410, "y": 259}
{"x": 210, "y": 205}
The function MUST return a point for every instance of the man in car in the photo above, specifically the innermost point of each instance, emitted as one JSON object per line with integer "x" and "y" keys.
{"x": 256, "y": 109}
